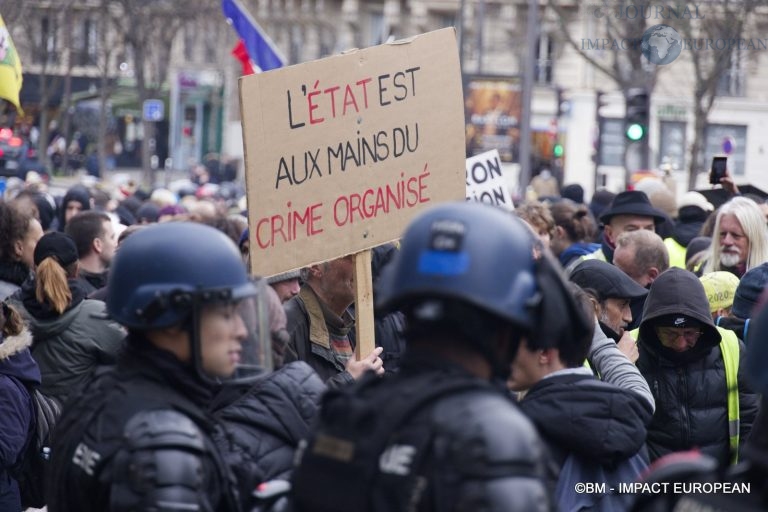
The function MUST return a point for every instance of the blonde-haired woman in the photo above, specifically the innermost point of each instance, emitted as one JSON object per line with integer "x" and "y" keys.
{"x": 71, "y": 334}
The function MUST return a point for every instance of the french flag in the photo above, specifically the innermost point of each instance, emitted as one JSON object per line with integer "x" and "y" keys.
{"x": 261, "y": 51}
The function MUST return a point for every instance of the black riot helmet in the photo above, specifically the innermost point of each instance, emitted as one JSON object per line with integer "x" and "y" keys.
{"x": 471, "y": 263}
{"x": 165, "y": 275}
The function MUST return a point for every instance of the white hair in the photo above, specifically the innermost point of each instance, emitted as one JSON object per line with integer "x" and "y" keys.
{"x": 753, "y": 224}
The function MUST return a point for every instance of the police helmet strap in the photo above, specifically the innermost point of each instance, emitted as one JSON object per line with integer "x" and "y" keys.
{"x": 195, "y": 339}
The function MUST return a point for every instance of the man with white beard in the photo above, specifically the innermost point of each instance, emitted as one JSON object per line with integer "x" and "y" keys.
{"x": 740, "y": 238}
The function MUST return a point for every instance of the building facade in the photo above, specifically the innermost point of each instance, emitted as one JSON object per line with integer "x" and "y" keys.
{"x": 577, "y": 55}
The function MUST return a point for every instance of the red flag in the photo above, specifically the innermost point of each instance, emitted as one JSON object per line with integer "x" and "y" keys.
{"x": 241, "y": 54}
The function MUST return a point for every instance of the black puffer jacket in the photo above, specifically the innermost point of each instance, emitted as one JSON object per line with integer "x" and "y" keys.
{"x": 689, "y": 387}
{"x": 599, "y": 422}
{"x": 265, "y": 422}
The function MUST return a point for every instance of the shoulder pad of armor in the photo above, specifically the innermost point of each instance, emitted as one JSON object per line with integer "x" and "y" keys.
{"x": 161, "y": 466}
{"x": 163, "y": 428}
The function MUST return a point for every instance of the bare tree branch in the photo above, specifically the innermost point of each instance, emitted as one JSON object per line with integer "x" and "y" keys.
{"x": 723, "y": 21}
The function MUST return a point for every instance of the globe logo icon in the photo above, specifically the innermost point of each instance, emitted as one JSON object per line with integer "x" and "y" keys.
{"x": 661, "y": 44}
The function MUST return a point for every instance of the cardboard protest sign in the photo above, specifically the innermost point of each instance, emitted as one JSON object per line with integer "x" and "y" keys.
{"x": 485, "y": 183}
{"x": 342, "y": 152}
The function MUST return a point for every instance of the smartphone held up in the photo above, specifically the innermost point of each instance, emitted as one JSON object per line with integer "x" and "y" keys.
{"x": 718, "y": 170}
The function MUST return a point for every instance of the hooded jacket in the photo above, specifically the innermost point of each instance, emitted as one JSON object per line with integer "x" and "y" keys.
{"x": 689, "y": 387}
{"x": 688, "y": 226}
{"x": 69, "y": 346}
{"x": 576, "y": 413}
{"x": 78, "y": 193}
{"x": 18, "y": 371}
{"x": 576, "y": 251}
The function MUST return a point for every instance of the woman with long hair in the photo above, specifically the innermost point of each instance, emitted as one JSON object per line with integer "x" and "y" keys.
{"x": 71, "y": 334}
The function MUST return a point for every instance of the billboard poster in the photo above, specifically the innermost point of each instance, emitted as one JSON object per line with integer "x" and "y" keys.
{"x": 492, "y": 110}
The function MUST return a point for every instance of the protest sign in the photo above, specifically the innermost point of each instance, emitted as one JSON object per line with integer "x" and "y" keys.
{"x": 485, "y": 182}
{"x": 342, "y": 152}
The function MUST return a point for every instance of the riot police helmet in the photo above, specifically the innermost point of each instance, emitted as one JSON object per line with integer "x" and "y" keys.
{"x": 486, "y": 261}
{"x": 467, "y": 252}
{"x": 165, "y": 275}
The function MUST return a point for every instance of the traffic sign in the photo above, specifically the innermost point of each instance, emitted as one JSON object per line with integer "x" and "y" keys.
{"x": 153, "y": 110}
{"x": 729, "y": 144}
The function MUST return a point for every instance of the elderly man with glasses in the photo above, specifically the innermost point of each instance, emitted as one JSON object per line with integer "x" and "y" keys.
{"x": 694, "y": 372}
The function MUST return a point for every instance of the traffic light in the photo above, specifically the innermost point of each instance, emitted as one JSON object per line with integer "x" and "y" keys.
{"x": 637, "y": 115}
{"x": 557, "y": 150}
{"x": 600, "y": 102}
{"x": 562, "y": 104}
{"x": 597, "y": 144}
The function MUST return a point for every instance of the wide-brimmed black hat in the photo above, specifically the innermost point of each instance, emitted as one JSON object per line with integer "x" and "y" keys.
{"x": 632, "y": 202}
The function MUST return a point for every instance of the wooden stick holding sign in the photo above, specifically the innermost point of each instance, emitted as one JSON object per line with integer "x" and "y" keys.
{"x": 364, "y": 330}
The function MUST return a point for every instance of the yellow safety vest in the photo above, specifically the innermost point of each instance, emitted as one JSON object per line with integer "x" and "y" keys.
{"x": 676, "y": 253}
{"x": 729, "y": 347}
{"x": 597, "y": 255}
{"x": 589, "y": 367}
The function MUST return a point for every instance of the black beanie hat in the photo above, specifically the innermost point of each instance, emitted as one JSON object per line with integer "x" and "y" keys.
{"x": 58, "y": 245}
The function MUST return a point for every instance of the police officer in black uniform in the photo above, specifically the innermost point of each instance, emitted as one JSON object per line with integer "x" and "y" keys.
{"x": 443, "y": 434}
{"x": 139, "y": 437}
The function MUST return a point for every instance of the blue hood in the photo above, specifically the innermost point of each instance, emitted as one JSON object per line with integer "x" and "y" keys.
{"x": 576, "y": 250}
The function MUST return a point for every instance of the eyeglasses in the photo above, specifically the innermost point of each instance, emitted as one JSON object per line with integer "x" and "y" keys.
{"x": 670, "y": 334}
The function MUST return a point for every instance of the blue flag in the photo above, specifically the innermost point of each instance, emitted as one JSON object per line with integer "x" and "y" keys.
{"x": 262, "y": 51}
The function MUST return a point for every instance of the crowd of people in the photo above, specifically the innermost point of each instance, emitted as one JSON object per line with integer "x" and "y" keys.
{"x": 517, "y": 356}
